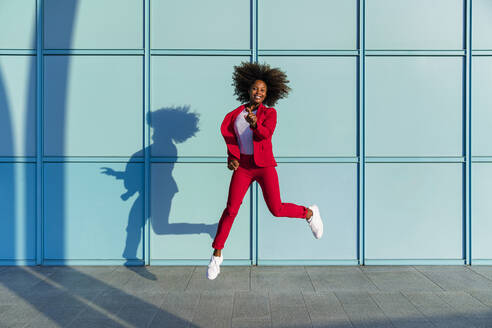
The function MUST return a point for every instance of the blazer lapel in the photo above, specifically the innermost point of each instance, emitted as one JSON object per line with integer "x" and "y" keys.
{"x": 260, "y": 113}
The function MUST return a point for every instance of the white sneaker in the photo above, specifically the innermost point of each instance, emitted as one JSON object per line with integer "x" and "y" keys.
{"x": 315, "y": 222}
{"x": 214, "y": 267}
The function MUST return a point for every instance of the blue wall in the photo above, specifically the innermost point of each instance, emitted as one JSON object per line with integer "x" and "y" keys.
{"x": 110, "y": 151}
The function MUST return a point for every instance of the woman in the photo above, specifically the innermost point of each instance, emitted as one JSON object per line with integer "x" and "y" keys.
{"x": 248, "y": 131}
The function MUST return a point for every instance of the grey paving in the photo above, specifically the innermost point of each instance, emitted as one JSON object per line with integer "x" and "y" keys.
{"x": 214, "y": 309}
{"x": 326, "y": 310}
{"x": 456, "y": 278}
{"x": 172, "y": 278}
{"x": 292, "y": 279}
{"x": 294, "y": 296}
{"x": 362, "y": 310}
{"x": 400, "y": 311}
{"x": 485, "y": 271}
{"x": 469, "y": 307}
{"x": 340, "y": 279}
{"x": 229, "y": 279}
{"x": 399, "y": 278}
{"x": 177, "y": 310}
{"x": 440, "y": 313}
{"x": 251, "y": 309}
{"x": 289, "y": 310}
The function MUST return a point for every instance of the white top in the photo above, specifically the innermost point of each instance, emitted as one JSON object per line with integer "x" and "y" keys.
{"x": 244, "y": 134}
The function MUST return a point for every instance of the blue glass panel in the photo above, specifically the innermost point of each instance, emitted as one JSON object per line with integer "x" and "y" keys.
{"x": 414, "y": 106}
{"x": 93, "y": 24}
{"x": 18, "y": 24}
{"x": 481, "y": 211}
{"x": 414, "y": 24}
{"x": 481, "y": 106}
{"x": 313, "y": 24}
{"x": 414, "y": 211}
{"x": 190, "y": 92}
{"x": 187, "y": 200}
{"x": 331, "y": 186}
{"x": 17, "y": 106}
{"x": 93, "y": 105}
{"x": 93, "y": 211}
{"x": 482, "y": 24}
{"x": 319, "y": 117}
{"x": 17, "y": 211}
{"x": 197, "y": 24}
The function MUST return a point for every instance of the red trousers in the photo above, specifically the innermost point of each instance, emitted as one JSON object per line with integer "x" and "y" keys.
{"x": 240, "y": 182}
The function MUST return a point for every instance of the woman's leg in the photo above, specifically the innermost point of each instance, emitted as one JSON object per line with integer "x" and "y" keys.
{"x": 240, "y": 183}
{"x": 268, "y": 180}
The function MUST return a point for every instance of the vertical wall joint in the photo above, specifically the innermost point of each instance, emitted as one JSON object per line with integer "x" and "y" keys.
{"x": 39, "y": 132}
{"x": 361, "y": 142}
{"x": 146, "y": 132}
{"x": 468, "y": 158}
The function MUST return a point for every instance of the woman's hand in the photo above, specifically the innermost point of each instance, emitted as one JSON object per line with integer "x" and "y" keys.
{"x": 250, "y": 117}
{"x": 233, "y": 164}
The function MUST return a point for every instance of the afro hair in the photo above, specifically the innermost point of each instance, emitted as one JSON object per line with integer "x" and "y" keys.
{"x": 246, "y": 74}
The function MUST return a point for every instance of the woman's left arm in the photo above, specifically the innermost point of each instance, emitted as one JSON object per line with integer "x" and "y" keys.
{"x": 266, "y": 128}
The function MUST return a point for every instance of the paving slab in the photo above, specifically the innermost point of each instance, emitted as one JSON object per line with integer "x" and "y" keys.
{"x": 289, "y": 310}
{"x": 74, "y": 280}
{"x": 136, "y": 299}
{"x": 362, "y": 310}
{"x": 138, "y": 284}
{"x": 399, "y": 278}
{"x": 177, "y": 309}
{"x": 484, "y": 296}
{"x": 17, "y": 325}
{"x": 325, "y": 310}
{"x": 138, "y": 315}
{"x": 251, "y": 305}
{"x": 104, "y": 305}
{"x": 469, "y": 307}
{"x": 172, "y": 278}
{"x": 20, "y": 279}
{"x": 440, "y": 313}
{"x": 485, "y": 271}
{"x": 230, "y": 279}
{"x": 55, "y": 316}
{"x": 329, "y": 278}
{"x": 455, "y": 278}
{"x": 248, "y": 323}
{"x": 401, "y": 312}
{"x": 59, "y": 298}
{"x": 251, "y": 309}
{"x": 214, "y": 309}
{"x": 19, "y": 315}
{"x": 284, "y": 279}
{"x": 9, "y": 296}
{"x": 95, "y": 323}
{"x": 120, "y": 277}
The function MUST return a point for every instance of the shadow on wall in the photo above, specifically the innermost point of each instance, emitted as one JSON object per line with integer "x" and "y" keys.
{"x": 7, "y": 186}
{"x": 171, "y": 126}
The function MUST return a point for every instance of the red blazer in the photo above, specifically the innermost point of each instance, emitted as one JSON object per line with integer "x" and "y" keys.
{"x": 262, "y": 135}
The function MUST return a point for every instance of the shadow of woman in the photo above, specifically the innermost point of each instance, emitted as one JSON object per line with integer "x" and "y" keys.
{"x": 171, "y": 126}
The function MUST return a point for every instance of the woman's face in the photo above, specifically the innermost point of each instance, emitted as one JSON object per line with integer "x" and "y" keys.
{"x": 257, "y": 92}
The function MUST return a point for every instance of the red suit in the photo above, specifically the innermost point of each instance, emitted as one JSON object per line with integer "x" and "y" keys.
{"x": 262, "y": 135}
{"x": 257, "y": 167}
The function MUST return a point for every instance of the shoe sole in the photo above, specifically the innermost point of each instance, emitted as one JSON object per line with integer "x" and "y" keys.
{"x": 316, "y": 209}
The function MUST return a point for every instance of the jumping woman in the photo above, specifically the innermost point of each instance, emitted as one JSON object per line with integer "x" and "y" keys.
{"x": 248, "y": 131}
